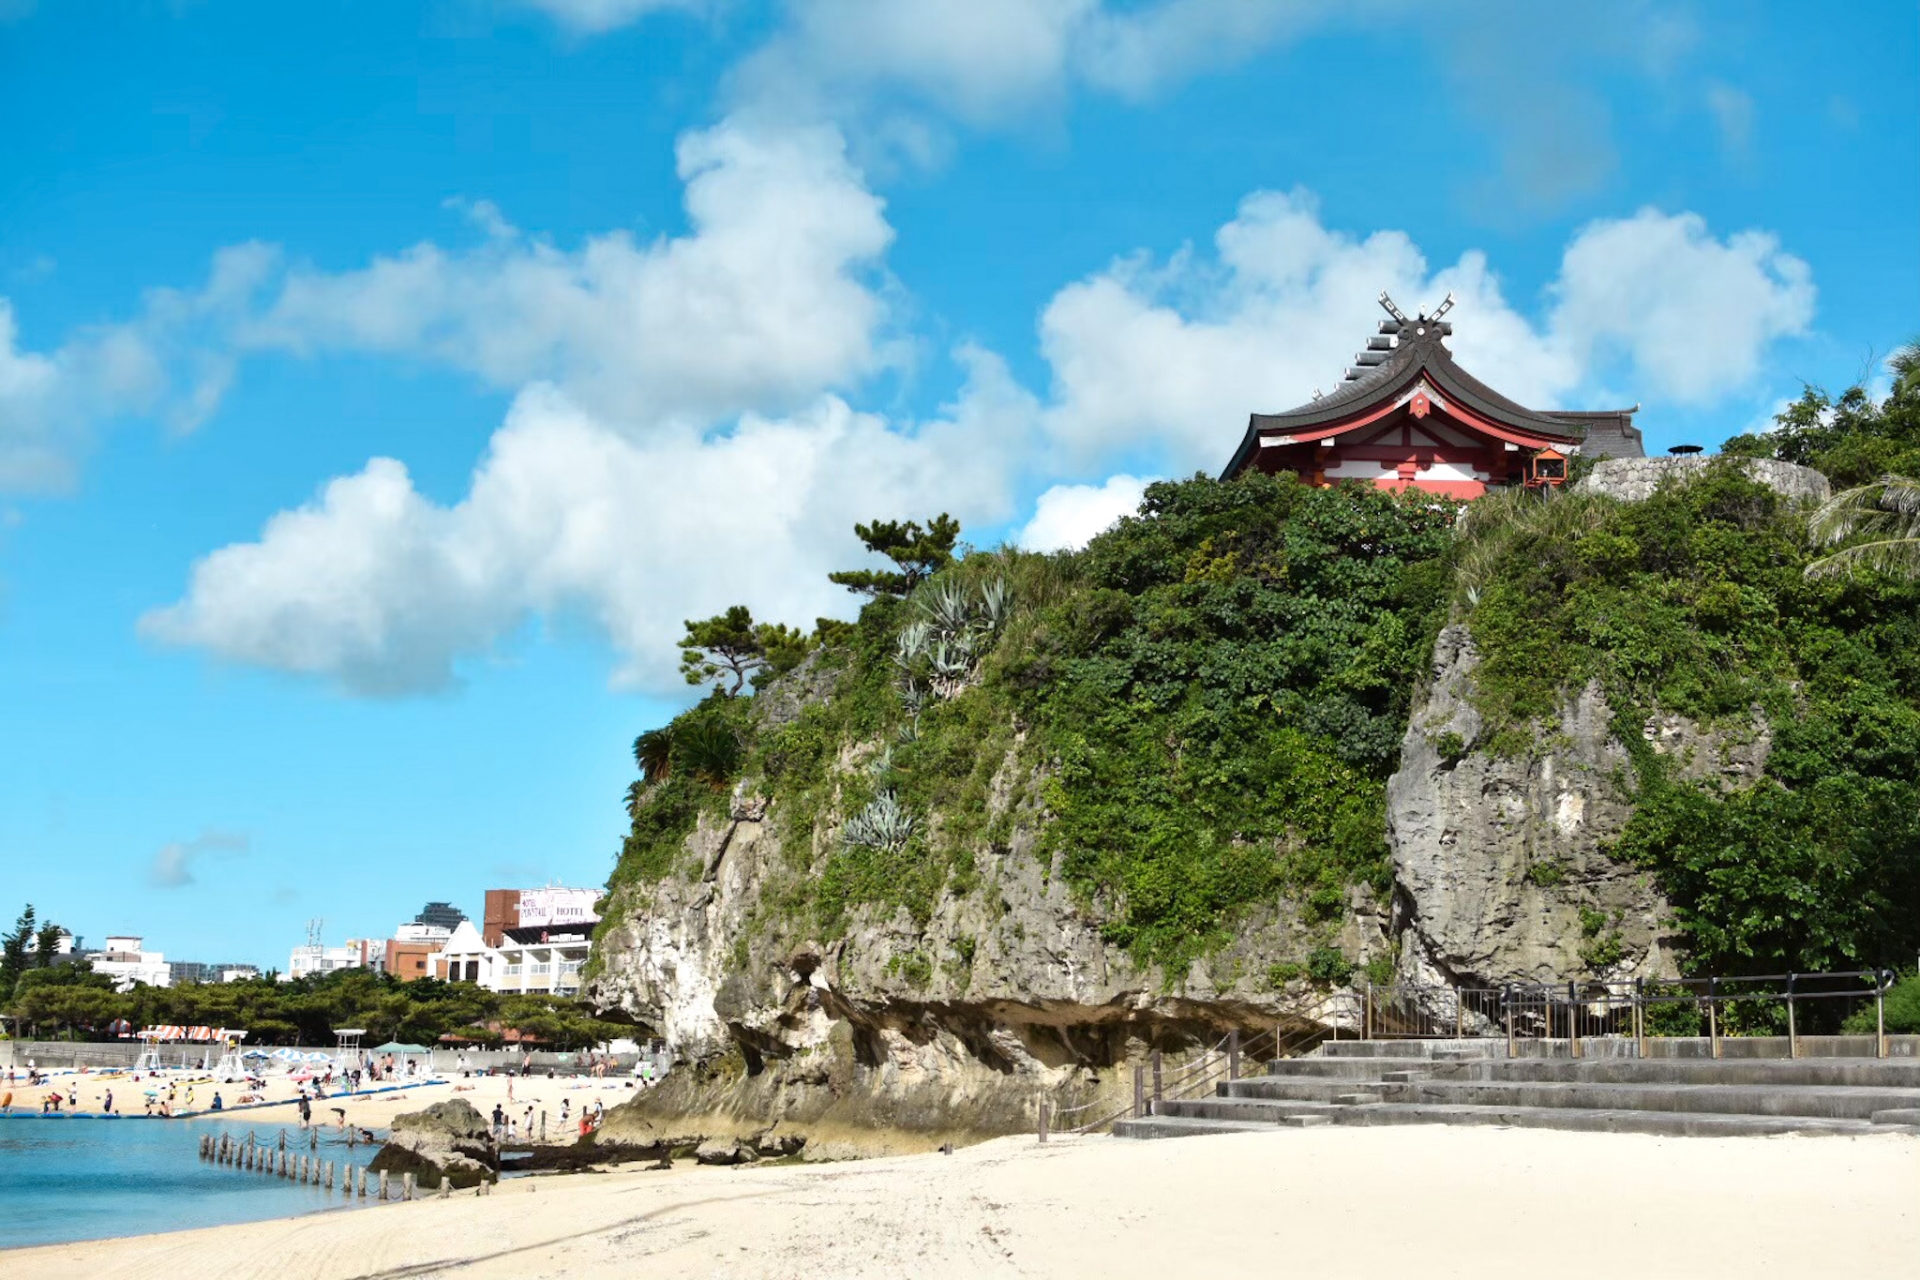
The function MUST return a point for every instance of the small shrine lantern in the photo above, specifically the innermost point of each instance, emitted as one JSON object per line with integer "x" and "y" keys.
{"x": 1547, "y": 469}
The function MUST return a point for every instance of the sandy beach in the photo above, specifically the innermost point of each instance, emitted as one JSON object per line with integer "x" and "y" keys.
{"x": 371, "y": 1110}
{"x": 1325, "y": 1203}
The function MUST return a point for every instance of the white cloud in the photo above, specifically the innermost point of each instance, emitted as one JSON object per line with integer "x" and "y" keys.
{"x": 592, "y": 16}
{"x": 1173, "y": 357}
{"x": 1067, "y": 516}
{"x": 1692, "y": 315}
{"x": 386, "y": 592}
{"x": 763, "y": 303}
{"x": 173, "y": 866}
{"x": 171, "y": 361}
{"x": 574, "y": 512}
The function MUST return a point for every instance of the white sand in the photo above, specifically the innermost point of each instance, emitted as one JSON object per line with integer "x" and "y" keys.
{"x": 1320, "y": 1203}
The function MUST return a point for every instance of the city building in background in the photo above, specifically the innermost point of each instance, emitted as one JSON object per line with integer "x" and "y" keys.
{"x": 443, "y": 915}
{"x": 125, "y": 960}
{"x": 411, "y": 950}
{"x": 316, "y": 958}
{"x": 193, "y": 971}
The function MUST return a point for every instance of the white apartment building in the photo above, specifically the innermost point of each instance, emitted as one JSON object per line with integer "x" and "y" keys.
{"x": 530, "y": 961}
{"x": 313, "y": 959}
{"x": 125, "y": 960}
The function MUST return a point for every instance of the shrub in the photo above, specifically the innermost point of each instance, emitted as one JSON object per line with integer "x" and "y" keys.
{"x": 1329, "y": 967}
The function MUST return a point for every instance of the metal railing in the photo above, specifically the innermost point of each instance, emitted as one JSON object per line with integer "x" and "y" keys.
{"x": 1793, "y": 1004}
{"x": 1154, "y": 1081}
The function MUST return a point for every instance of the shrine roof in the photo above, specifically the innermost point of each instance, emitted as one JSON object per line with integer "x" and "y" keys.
{"x": 1406, "y": 351}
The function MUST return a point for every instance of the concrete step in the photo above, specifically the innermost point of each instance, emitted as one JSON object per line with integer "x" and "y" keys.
{"x": 1250, "y": 1110}
{"x": 1182, "y": 1127}
{"x": 1772, "y": 1073}
{"x": 1819, "y": 1101}
{"x": 1337, "y": 1068}
{"x": 1299, "y": 1089}
{"x": 1604, "y": 1120}
{"x": 1899, "y": 1115}
{"x": 1479, "y": 1048}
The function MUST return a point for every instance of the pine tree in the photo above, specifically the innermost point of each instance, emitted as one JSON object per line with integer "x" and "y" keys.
{"x": 919, "y": 552}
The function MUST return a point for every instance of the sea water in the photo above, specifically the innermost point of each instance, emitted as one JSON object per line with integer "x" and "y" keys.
{"x": 85, "y": 1179}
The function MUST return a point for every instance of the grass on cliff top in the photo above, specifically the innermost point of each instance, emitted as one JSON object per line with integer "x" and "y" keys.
{"x": 1695, "y": 602}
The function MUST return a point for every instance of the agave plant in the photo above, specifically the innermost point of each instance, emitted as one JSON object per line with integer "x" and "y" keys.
{"x": 1887, "y": 511}
{"x": 947, "y": 607}
{"x": 913, "y": 642}
{"x": 995, "y": 601}
{"x": 883, "y": 825}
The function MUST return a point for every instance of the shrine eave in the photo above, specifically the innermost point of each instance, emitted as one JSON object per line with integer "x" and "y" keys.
{"x": 1380, "y": 390}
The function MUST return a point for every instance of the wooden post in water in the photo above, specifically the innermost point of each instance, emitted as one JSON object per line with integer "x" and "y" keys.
{"x": 363, "y": 1184}
{"x": 382, "y": 1193}
{"x": 1156, "y": 1080}
{"x": 1233, "y": 1054}
{"x": 1139, "y": 1090}
{"x": 406, "y": 1186}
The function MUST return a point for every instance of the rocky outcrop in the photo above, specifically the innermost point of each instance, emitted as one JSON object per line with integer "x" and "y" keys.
{"x": 1635, "y": 479}
{"x": 1501, "y": 860}
{"x": 448, "y": 1141}
{"x": 954, "y": 1027}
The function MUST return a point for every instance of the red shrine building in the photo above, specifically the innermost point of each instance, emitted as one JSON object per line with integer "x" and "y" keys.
{"x": 1407, "y": 416}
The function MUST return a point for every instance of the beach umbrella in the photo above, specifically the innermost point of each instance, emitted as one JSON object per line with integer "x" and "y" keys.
{"x": 286, "y": 1055}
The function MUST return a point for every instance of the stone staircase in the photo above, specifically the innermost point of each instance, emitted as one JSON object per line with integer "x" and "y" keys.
{"x": 1474, "y": 1082}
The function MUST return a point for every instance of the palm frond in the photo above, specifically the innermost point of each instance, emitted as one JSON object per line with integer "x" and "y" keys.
{"x": 1887, "y": 508}
{"x": 1896, "y": 557}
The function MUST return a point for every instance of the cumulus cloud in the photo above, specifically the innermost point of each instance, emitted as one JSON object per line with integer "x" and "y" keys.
{"x": 767, "y": 299}
{"x": 990, "y": 62}
{"x": 378, "y": 588}
{"x": 173, "y": 866}
{"x": 573, "y": 511}
{"x": 1067, "y": 516}
{"x": 173, "y": 361}
{"x": 1172, "y": 356}
{"x": 1691, "y": 314}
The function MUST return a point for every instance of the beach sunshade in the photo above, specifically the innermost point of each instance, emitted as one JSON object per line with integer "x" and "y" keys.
{"x": 394, "y": 1046}
{"x": 319, "y": 1057}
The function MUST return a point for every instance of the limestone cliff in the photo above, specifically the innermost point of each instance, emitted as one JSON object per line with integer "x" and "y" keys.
{"x": 1501, "y": 860}
{"x": 1155, "y": 796}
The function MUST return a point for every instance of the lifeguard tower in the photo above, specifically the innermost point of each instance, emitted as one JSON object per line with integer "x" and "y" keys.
{"x": 232, "y": 1065}
{"x": 346, "y": 1054}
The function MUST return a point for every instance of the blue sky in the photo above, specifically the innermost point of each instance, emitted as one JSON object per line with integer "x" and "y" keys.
{"x": 381, "y": 384}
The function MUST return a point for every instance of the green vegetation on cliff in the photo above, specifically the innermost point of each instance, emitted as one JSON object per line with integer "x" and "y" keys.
{"x": 1198, "y": 712}
{"x": 1695, "y": 602}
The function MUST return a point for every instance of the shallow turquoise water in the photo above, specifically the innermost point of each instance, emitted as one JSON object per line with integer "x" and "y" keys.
{"x": 85, "y": 1179}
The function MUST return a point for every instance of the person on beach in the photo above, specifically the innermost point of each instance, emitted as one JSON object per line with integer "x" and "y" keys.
{"x": 306, "y": 1110}
{"x": 499, "y": 1120}
{"x": 106, "y": 1105}
{"x": 218, "y": 1105}
{"x": 6, "y": 1101}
